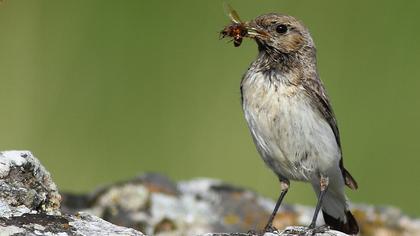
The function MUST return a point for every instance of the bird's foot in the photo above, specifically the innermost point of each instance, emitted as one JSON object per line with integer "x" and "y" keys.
{"x": 252, "y": 232}
{"x": 305, "y": 231}
{"x": 313, "y": 230}
{"x": 270, "y": 229}
{"x": 267, "y": 229}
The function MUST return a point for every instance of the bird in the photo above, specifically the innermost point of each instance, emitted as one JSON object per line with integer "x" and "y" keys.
{"x": 290, "y": 116}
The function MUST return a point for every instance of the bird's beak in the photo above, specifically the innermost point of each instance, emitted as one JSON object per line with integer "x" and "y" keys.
{"x": 254, "y": 31}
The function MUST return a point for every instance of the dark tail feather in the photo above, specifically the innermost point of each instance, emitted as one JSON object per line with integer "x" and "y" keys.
{"x": 350, "y": 227}
{"x": 349, "y": 180}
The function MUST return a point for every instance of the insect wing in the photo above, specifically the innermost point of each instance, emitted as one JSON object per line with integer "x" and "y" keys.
{"x": 233, "y": 15}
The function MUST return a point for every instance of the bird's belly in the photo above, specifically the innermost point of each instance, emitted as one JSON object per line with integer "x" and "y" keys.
{"x": 290, "y": 134}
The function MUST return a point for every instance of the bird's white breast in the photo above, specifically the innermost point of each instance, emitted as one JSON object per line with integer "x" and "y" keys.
{"x": 290, "y": 134}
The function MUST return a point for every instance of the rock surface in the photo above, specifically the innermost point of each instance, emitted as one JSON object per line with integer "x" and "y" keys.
{"x": 153, "y": 204}
{"x": 30, "y": 203}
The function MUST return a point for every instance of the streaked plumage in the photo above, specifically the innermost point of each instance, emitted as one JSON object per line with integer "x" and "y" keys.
{"x": 290, "y": 117}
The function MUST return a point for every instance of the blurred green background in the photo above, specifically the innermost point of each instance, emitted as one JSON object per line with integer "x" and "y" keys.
{"x": 102, "y": 90}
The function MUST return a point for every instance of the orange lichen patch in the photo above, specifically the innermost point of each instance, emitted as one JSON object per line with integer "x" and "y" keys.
{"x": 231, "y": 219}
{"x": 360, "y": 216}
{"x": 375, "y": 226}
{"x": 237, "y": 195}
{"x": 248, "y": 219}
{"x": 255, "y": 219}
{"x": 65, "y": 226}
{"x": 383, "y": 231}
{"x": 154, "y": 188}
{"x": 165, "y": 225}
{"x": 261, "y": 224}
{"x": 367, "y": 226}
{"x": 372, "y": 230}
{"x": 284, "y": 219}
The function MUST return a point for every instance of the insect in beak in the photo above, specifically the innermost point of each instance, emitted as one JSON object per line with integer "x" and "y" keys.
{"x": 238, "y": 29}
{"x": 254, "y": 32}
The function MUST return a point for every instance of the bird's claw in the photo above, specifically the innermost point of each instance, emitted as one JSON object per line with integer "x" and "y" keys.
{"x": 252, "y": 232}
{"x": 306, "y": 231}
{"x": 267, "y": 229}
{"x": 270, "y": 229}
{"x": 312, "y": 230}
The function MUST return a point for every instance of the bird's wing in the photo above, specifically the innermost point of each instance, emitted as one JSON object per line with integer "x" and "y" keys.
{"x": 316, "y": 92}
{"x": 315, "y": 89}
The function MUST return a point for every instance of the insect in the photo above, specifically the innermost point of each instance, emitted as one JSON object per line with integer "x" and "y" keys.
{"x": 237, "y": 30}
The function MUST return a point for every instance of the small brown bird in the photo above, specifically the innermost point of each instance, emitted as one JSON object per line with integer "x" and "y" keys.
{"x": 290, "y": 116}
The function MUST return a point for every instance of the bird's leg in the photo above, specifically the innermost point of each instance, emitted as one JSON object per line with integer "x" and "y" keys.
{"x": 323, "y": 182}
{"x": 284, "y": 184}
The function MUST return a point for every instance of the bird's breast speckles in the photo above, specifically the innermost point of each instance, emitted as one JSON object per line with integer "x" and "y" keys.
{"x": 289, "y": 133}
{"x": 262, "y": 93}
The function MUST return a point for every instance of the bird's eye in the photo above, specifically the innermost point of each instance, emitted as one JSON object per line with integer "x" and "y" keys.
{"x": 281, "y": 29}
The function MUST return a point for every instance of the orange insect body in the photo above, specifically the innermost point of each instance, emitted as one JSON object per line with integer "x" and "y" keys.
{"x": 237, "y": 31}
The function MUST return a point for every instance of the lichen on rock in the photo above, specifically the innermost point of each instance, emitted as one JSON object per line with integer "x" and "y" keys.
{"x": 155, "y": 205}
{"x": 24, "y": 181}
{"x": 30, "y": 203}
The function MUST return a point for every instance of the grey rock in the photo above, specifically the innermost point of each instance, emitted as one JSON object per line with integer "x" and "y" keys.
{"x": 288, "y": 231}
{"x": 30, "y": 203}
{"x": 86, "y": 224}
{"x": 155, "y": 205}
{"x": 42, "y": 224}
{"x": 24, "y": 182}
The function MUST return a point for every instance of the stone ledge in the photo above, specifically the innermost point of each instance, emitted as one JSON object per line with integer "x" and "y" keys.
{"x": 30, "y": 203}
{"x": 155, "y": 205}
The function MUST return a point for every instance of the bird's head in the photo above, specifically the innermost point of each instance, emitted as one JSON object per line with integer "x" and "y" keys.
{"x": 281, "y": 33}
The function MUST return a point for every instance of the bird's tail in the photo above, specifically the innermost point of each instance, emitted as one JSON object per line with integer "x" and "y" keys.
{"x": 336, "y": 213}
{"x": 350, "y": 227}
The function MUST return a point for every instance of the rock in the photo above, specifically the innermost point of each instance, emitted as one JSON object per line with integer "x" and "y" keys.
{"x": 288, "y": 231}
{"x": 25, "y": 183}
{"x": 36, "y": 223}
{"x": 86, "y": 224}
{"x": 152, "y": 203}
{"x": 30, "y": 203}
{"x": 156, "y": 205}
